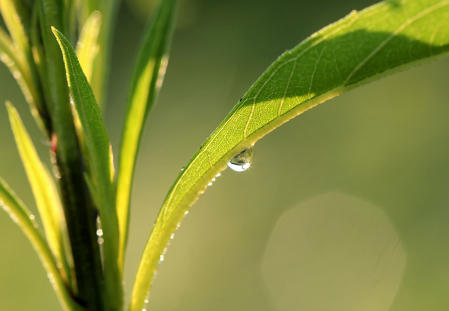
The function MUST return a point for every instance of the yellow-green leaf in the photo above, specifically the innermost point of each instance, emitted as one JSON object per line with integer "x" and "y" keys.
{"x": 44, "y": 190}
{"x": 21, "y": 215}
{"x": 87, "y": 46}
{"x": 148, "y": 74}
{"x": 362, "y": 47}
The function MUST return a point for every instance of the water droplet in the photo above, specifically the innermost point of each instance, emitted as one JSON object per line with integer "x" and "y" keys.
{"x": 172, "y": 236}
{"x": 182, "y": 168}
{"x": 100, "y": 241}
{"x": 161, "y": 258}
{"x": 186, "y": 212}
{"x": 242, "y": 161}
{"x": 209, "y": 184}
{"x": 213, "y": 179}
{"x": 32, "y": 217}
{"x": 99, "y": 232}
{"x": 146, "y": 300}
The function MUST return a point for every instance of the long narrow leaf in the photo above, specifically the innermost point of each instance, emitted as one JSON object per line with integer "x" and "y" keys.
{"x": 21, "y": 215}
{"x": 86, "y": 51}
{"x": 16, "y": 63}
{"x": 379, "y": 41}
{"x": 148, "y": 74}
{"x": 17, "y": 18}
{"x": 100, "y": 72}
{"x": 87, "y": 46}
{"x": 44, "y": 190}
{"x": 22, "y": 71}
{"x": 98, "y": 146}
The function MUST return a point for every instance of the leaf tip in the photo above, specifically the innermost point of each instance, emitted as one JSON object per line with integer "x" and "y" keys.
{"x": 56, "y": 32}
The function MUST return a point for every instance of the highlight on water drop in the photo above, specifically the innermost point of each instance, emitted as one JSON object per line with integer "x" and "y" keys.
{"x": 242, "y": 161}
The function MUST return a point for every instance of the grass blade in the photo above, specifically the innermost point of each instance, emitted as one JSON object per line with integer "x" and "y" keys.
{"x": 87, "y": 46}
{"x": 383, "y": 39}
{"x": 98, "y": 146}
{"x": 148, "y": 74}
{"x": 44, "y": 190}
{"x": 20, "y": 215}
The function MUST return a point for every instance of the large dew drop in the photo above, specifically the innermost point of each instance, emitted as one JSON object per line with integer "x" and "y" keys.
{"x": 242, "y": 161}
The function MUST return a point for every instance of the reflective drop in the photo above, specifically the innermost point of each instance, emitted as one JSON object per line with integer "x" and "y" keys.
{"x": 242, "y": 161}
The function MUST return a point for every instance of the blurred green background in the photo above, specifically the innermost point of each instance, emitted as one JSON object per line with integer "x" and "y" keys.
{"x": 345, "y": 208}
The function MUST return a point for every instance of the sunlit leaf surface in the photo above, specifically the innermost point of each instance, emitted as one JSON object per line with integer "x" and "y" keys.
{"x": 363, "y": 47}
{"x": 44, "y": 190}
{"x": 148, "y": 74}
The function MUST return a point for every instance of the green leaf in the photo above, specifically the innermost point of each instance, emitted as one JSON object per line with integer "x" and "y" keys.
{"x": 148, "y": 74}
{"x": 21, "y": 215}
{"x": 44, "y": 190}
{"x": 17, "y": 18}
{"x": 98, "y": 147}
{"x": 77, "y": 201}
{"x": 362, "y": 47}
{"x": 17, "y": 64}
{"x": 87, "y": 46}
{"x": 19, "y": 61}
{"x": 100, "y": 72}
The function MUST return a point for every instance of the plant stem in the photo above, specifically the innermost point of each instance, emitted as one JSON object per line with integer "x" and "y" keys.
{"x": 79, "y": 210}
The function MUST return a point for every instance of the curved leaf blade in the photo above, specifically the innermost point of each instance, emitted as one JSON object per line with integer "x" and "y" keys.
{"x": 148, "y": 74}
{"x": 98, "y": 146}
{"x": 44, "y": 190}
{"x": 22, "y": 216}
{"x": 383, "y": 39}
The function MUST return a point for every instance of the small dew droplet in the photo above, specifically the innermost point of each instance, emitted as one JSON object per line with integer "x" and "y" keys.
{"x": 172, "y": 236}
{"x": 242, "y": 161}
{"x": 213, "y": 179}
{"x": 186, "y": 212}
{"x": 100, "y": 240}
{"x": 146, "y": 300}
{"x": 218, "y": 175}
{"x": 99, "y": 232}
{"x": 209, "y": 184}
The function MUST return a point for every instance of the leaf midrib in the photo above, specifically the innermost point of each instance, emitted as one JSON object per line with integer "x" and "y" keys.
{"x": 336, "y": 91}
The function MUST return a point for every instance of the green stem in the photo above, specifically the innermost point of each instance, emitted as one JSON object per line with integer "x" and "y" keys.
{"x": 79, "y": 209}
